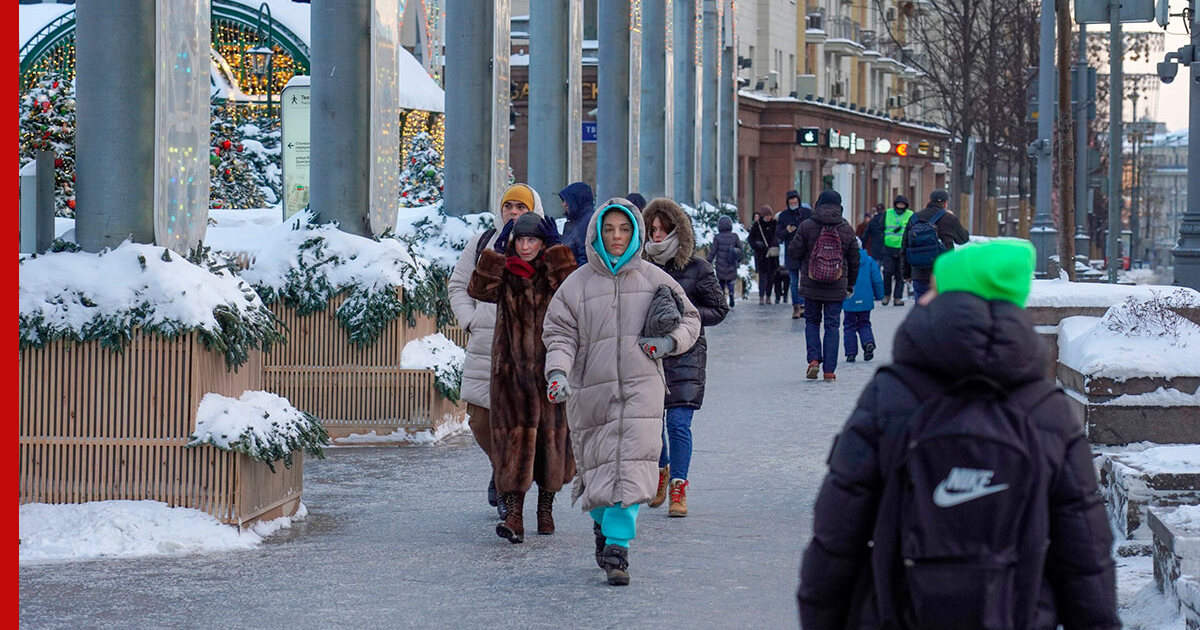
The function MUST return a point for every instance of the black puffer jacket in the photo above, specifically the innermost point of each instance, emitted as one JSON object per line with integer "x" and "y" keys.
{"x": 806, "y": 237}
{"x": 956, "y": 336}
{"x": 726, "y": 251}
{"x": 686, "y": 372}
{"x": 950, "y": 230}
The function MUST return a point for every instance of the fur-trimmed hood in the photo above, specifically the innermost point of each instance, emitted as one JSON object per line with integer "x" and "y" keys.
{"x": 672, "y": 212}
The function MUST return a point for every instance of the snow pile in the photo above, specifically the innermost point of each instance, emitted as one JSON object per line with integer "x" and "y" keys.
{"x": 107, "y": 296}
{"x": 436, "y": 352}
{"x": 438, "y": 237}
{"x": 125, "y": 529}
{"x": 1161, "y": 397}
{"x": 1062, "y": 293}
{"x": 1139, "y": 602}
{"x": 262, "y": 425}
{"x": 1185, "y": 517}
{"x": 450, "y": 426}
{"x": 1175, "y": 458}
{"x": 1139, "y": 337}
{"x": 1154, "y": 316}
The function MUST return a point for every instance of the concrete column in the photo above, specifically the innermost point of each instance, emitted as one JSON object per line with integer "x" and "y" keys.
{"x": 575, "y": 91}
{"x": 656, "y": 99}
{"x": 710, "y": 53}
{"x": 727, "y": 109}
{"x": 501, "y": 98}
{"x": 469, "y": 111}
{"x": 114, "y": 136}
{"x": 684, "y": 64}
{"x": 340, "y": 118}
{"x": 1082, "y": 239}
{"x": 548, "y": 90}
{"x": 612, "y": 120}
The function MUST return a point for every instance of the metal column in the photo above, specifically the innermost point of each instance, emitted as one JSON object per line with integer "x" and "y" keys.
{"x": 340, "y": 117}
{"x": 727, "y": 110}
{"x": 469, "y": 112}
{"x": 1115, "y": 139}
{"x": 710, "y": 50}
{"x": 114, "y": 137}
{"x": 548, "y": 90}
{"x": 612, "y": 124}
{"x": 1043, "y": 234}
{"x": 1187, "y": 252}
{"x": 656, "y": 99}
{"x": 1082, "y": 240}
{"x": 684, "y": 40}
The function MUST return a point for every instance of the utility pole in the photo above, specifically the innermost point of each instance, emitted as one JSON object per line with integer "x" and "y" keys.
{"x": 1115, "y": 134}
{"x": 1066, "y": 144}
{"x": 1043, "y": 234}
{"x": 1082, "y": 240}
{"x": 1187, "y": 251}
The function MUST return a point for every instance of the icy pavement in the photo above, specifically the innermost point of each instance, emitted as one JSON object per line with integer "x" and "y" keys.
{"x": 403, "y": 537}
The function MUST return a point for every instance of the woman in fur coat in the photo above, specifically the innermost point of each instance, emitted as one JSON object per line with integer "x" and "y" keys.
{"x": 530, "y": 439}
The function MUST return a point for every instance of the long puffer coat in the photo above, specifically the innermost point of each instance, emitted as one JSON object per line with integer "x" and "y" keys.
{"x": 726, "y": 251}
{"x": 477, "y": 318}
{"x": 530, "y": 440}
{"x": 615, "y": 412}
{"x": 686, "y": 372}
{"x": 826, "y": 215}
{"x": 956, "y": 336}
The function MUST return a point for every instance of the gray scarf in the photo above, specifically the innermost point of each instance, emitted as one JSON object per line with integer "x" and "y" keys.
{"x": 663, "y": 252}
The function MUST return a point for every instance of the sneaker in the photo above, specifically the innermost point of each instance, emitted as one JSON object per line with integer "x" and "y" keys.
{"x": 678, "y": 498}
{"x": 813, "y": 368}
{"x": 886, "y": 299}
{"x": 615, "y": 562}
{"x": 664, "y": 475}
{"x": 868, "y": 351}
{"x": 899, "y": 302}
{"x": 850, "y": 358}
{"x": 830, "y": 376}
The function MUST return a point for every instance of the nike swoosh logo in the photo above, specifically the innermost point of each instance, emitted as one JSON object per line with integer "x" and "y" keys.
{"x": 944, "y": 498}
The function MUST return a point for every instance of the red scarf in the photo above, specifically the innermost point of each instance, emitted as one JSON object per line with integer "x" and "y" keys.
{"x": 519, "y": 267}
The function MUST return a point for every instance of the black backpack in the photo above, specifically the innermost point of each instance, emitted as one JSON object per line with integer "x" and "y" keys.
{"x": 949, "y": 538}
{"x": 924, "y": 244}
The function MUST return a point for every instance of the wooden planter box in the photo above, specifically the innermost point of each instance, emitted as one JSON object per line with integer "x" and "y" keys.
{"x": 96, "y": 425}
{"x": 355, "y": 389}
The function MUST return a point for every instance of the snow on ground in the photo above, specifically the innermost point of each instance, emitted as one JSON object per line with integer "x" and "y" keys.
{"x": 1141, "y": 605}
{"x": 446, "y": 429}
{"x": 126, "y": 529}
{"x": 1170, "y": 458}
{"x": 1090, "y": 348}
{"x": 1161, "y": 397}
{"x": 1062, "y": 293}
{"x": 1184, "y": 517}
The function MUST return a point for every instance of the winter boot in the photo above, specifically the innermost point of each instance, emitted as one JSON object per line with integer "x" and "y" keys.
{"x": 850, "y": 358}
{"x": 512, "y": 528}
{"x": 678, "y": 498}
{"x": 615, "y": 562}
{"x": 886, "y": 299}
{"x": 797, "y": 311}
{"x": 664, "y": 475}
{"x": 601, "y": 541}
{"x": 830, "y": 376}
{"x": 813, "y": 368}
{"x": 868, "y": 351}
{"x": 492, "y": 501}
{"x": 545, "y": 512}
{"x": 762, "y": 299}
{"x": 899, "y": 302}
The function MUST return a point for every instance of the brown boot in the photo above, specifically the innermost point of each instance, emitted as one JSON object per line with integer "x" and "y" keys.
{"x": 545, "y": 512}
{"x": 678, "y": 498}
{"x": 664, "y": 475}
{"x": 512, "y": 528}
{"x": 797, "y": 311}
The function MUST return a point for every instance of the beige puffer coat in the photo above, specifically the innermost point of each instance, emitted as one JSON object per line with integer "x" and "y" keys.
{"x": 477, "y": 318}
{"x": 615, "y": 412}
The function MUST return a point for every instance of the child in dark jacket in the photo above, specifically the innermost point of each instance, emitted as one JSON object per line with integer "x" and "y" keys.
{"x": 856, "y": 321}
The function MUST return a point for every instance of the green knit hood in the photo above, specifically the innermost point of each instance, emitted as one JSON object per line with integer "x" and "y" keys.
{"x": 999, "y": 269}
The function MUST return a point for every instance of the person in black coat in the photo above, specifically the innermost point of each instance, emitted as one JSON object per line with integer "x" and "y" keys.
{"x": 671, "y": 246}
{"x": 788, "y": 222}
{"x": 764, "y": 241}
{"x": 873, "y": 236}
{"x": 966, "y": 331}
{"x": 950, "y": 231}
{"x": 578, "y": 207}
{"x": 823, "y": 300}
{"x": 725, "y": 254}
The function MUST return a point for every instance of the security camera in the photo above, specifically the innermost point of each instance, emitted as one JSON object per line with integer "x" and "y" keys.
{"x": 1167, "y": 71}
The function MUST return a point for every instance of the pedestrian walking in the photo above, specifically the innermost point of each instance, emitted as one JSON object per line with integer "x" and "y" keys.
{"x": 860, "y": 230}
{"x": 895, "y": 222}
{"x": 931, "y": 232}
{"x": 478, "y": 319}
{"x": 725, "y": 255}
{"x": 856, "y": 318}
{"x": 530, "y": 440}
{"x": 638, "y": 200}
{"x": 608, "y": 374}
{"x": 765, "y": 244}
{"x": 671, "y": 246}
{"x": 577, "y": 200}
{"x": 789, "y": 221}
{"x": 826, "y": 249}
{"x": 961, "y": 491}
{"x": 872, "y": 239}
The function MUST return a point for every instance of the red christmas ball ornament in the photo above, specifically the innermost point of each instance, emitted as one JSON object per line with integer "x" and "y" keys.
{"x": 71, "y": 204}
{"x": 216, "y": 150}
{"x": 239, "y": 148}
{"x": 45, "y": 106}
{"x": 413, "y": 160}
{"x": 404, "y": 194}
{"x": 226, "y": 144}
{"x": 54, "y": 85}
{"x": 226, "y": 172}
{"x": 58, "y": 162}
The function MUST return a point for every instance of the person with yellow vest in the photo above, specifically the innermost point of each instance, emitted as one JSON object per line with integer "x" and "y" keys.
{"x": 895, "y": 222}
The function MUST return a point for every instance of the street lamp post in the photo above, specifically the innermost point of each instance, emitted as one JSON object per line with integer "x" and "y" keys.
{"x": 260, "y": 55}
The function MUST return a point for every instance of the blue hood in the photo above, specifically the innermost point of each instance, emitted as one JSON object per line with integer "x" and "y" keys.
{"x": 579, "y": 199}
{"x": 611, "y": 263}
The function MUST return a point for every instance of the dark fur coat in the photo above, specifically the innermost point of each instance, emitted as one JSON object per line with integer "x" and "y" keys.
{"x": 530, "y": 439}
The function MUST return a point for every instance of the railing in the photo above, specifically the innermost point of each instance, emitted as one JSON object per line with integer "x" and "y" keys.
{"x": 890, "y": 49}
{"x": 869, "y": 39}
{"x": 844, "y": 28}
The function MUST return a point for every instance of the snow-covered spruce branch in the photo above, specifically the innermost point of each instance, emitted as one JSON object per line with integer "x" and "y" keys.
{"x": 261, "y": 425}
{"x": 446, "y": 359}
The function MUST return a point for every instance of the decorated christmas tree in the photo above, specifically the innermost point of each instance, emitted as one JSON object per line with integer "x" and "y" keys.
{"x": 233, "y": 182}
{"x": 48, "y": 123}
{"x": 261, "y": 140}
{"x": 421, "y": 177}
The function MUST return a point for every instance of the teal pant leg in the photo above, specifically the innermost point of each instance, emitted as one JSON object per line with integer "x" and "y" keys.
{"x": 617, "y": 523}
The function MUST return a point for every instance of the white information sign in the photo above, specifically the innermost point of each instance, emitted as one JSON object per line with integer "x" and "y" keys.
{"x": 295, "y": 105}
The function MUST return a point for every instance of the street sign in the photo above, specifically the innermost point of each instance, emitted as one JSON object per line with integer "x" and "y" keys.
{"x": 923, "y": 147}
{"x": 902, "y": 149}
{"x": 589, "y": 131}
{"x": 1096, "y": 11}
{"x": 883, "y": 145}
{"x": 808, "y": 136}
{"x": 295, "y": 107}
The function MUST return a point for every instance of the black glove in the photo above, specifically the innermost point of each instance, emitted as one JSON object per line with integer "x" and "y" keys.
{"x": 549, "y": 229}
{"x": 501, "y": 245}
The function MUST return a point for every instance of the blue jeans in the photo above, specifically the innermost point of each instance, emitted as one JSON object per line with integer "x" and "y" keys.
{"x": 678, "y": 434}
{"x": 919, "y": 288}
{"x": 857, "y": 325}
{"x": 794, "y": 275}
{"x": 826, "y": 352}
{"x": 727, "y": 285}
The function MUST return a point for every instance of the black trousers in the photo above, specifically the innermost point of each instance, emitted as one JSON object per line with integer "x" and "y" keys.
{"x": 893, "y": 283}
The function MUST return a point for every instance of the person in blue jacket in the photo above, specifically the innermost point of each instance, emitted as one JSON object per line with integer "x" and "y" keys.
{"x": 577, "y": 200}
{"x": 856, "y": 320}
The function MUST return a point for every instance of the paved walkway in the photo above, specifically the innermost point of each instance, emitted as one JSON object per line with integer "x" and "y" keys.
{"x": 403, "y": 537}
